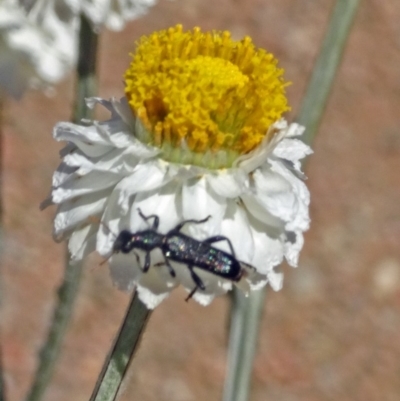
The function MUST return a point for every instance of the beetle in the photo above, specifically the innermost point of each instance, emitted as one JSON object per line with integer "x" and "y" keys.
{"x": 178, "y": 247}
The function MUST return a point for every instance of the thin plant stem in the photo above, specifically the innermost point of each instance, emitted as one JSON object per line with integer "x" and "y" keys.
{"x": 86, "y": 70}
{"x": 1, "y": 170}
{"x": 326, "y": 67}
{"x": 50, "y": 351}
{"x": 2, "y": 385}
{"x": 67, "y": 292}
{"x": 245, "y": 319}
{"x": 122, "y": 351}
{"x": 246, "y": 313}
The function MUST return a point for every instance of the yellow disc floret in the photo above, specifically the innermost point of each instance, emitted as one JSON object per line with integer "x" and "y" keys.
{"x": 200, "y": 94}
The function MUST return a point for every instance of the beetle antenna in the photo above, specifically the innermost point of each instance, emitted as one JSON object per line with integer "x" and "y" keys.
{"x": 106, "y": 259}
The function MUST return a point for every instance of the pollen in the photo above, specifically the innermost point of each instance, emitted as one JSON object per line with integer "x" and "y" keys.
{"x": 201, "y": 96}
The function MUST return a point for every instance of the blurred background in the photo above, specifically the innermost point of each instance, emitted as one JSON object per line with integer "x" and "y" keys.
{"x": 332, "y": 332}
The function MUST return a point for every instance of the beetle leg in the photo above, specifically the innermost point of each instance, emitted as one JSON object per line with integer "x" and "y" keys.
{"x": 191, "y": 293}
{"x": 138, "y": 260}
{"x": 146, "y": 262}
{"x": 152, "y": 216}
{"x": 146, "y": 266}
{"x": 199, "y": 283}
{"x": 218, "y": 238}
{"x": 197, "y": 279}
{"x": 180, "y": 225}
{"x": 170, "y": 268}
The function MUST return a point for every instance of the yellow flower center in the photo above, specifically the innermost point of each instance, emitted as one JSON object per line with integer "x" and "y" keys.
{"x": 202, "y": 97}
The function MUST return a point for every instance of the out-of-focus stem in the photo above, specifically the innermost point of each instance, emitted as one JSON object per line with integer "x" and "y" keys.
{"x": 49, "y": 353}
{"x": 326, "y": 66}
{"x": 86, "y": 70}
{"x": 67, "y": 292}
{"x": 2, "y": 384}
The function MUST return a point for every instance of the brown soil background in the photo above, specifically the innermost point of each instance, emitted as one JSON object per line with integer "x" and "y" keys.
{"x": 332, "y": 333}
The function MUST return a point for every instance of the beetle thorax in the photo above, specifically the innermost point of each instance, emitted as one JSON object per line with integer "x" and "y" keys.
{"x": 147, "y": 240}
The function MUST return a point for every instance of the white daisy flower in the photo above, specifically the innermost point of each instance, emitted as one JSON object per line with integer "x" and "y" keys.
{"x": 37, "y": 48}
{"x": 199, "y": 133}
{"x": 113, "y": 14}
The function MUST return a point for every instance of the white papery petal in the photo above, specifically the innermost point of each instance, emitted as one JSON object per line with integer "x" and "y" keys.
{"x": 203, "y": 299}
{"x": 258, "y": 156}
{"x": 122, "y": 109}
{"x": 275, "y": 280}
{"x": 84, "y": 185}
{"x": 116, "y": 161}
{"x": 294, "y": 242}
{"x": 275, "y": 195}
{"x": 77, "y": 160}
{"x": 294, "y": 129}
{"x": 227, "y": 183}
{"x": 268, "y": 251}
{"x": 82, "y": 242}
{"x": 163, "y": 202}
{"x": 66, "y": 131}
{"x": 76, "y": 211}
{"x": 86, "y": 139}
{"x": 292, "y": 149}
{"x": 144, "y": 178}
{"x": 152, "y": 286}
{"x": 116, "y": 132}
{"x": 112, "y": 223}
{"x": 148, "y": 297}
{"x": 255, "y": 207}
{"x": 198, "y": 201}
{"x": 301, "y": 219}
{"x": 63, "y": 173}
{"x": 236, "y": 227}
{"x": 141, "y": 151}
{"x": 124, "y": 271}
{"x": 113, "y": 14}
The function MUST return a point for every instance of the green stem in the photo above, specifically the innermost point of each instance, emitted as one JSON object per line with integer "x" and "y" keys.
{"x": 86, "y": 70}
{"x": 122, "y": 351}
{"x": 246, "y": 313}
{"x": 2, "y": 101}
{"x": 2, "y": 386}
{"x": 326, "y": 66}
{"x": 61, "y": 317}
{"x": 245, "y": 319}
{"x": 67, "y": 292}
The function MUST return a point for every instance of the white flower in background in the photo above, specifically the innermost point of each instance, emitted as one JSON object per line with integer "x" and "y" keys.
{"x": 37, "y": 48}
{"x": 111, "y": 13}
{"x": 199, "y": 133}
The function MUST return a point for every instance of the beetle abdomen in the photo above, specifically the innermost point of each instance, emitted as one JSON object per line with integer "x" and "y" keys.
{"x": 184, "y": 249}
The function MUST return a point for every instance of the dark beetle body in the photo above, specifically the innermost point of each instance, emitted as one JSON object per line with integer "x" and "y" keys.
{"x": 182, "y": 248}
{"x": 179, "y": 247}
